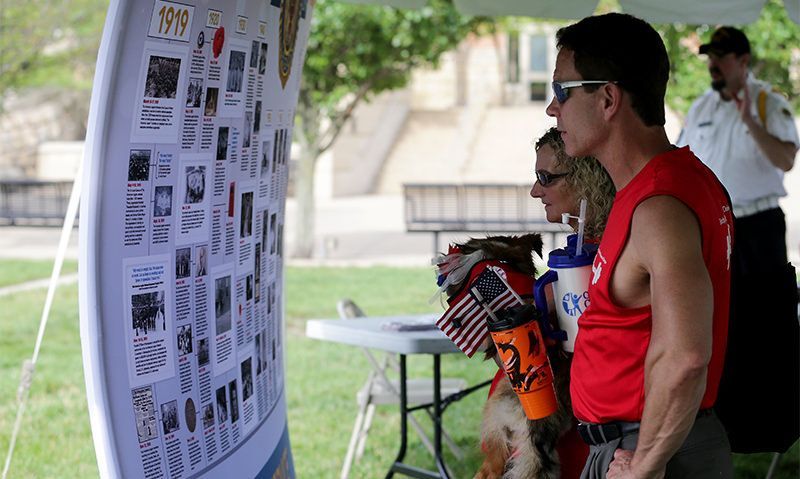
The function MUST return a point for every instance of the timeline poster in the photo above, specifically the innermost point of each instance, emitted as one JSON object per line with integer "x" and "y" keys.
{"x": 187, "y": 163}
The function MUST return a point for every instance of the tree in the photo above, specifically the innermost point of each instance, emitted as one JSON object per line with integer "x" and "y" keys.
{"x": 355, "y": 52}
{"x": 49, "y": 43}
{"x": 774, "y": 41}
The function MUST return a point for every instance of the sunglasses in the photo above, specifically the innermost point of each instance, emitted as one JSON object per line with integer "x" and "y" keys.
{"x": 561, "y": 89}
{"x": 545, "y": 178}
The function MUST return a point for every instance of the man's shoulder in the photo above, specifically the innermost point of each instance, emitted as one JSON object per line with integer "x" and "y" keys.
{"x": 709, "y": 97}
{"x": 761, "y": 87}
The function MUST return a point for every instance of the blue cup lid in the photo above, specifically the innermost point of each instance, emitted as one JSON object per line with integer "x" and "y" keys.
{"x": 566, "y": 257}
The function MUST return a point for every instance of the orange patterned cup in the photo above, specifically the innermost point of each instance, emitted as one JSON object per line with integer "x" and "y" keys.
{"x": 522, "y": 350}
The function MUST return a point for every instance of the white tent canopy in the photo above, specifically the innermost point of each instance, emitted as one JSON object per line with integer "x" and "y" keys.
{"x": 728, "y": 12}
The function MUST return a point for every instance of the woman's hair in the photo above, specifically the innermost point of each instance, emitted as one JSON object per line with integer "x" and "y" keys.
{"x": 586, "y": 178}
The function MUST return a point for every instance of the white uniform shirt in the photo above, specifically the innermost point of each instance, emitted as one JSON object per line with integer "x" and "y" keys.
{"x": 716, "y": 133}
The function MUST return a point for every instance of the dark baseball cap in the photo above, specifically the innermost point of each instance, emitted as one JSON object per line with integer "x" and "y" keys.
{"x": 726, "y": 40}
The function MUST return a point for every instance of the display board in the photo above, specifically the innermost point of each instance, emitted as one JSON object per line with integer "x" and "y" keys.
{"x": 182, "y": 215}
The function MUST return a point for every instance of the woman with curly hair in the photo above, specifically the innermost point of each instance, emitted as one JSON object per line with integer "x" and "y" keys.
{"x": 561, "y": 182}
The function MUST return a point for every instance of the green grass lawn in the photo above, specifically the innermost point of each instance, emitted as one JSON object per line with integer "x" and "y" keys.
{"x": 56, "y": 440}
{"x": 14, "y": 271}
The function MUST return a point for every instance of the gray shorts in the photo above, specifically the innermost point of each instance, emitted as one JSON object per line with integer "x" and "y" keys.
{"x": 706, "y": 453}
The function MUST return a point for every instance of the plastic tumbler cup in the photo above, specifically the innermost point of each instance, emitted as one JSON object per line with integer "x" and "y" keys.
{"x": 522, "y": 350}
{"x": 570, "y": 272}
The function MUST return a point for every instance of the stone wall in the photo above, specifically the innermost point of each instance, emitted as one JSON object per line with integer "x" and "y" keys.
{"x": 33, "y": 117}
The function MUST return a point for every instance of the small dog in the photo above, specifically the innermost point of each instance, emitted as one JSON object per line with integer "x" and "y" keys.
{"x": 515, "y": 447}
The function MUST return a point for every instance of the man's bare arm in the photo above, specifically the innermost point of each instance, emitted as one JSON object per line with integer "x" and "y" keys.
{"x": 666, "y": 239}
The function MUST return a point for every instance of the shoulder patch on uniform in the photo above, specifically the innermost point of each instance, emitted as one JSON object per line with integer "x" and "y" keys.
{"x": 786, "y": 112}
{"x": 775, "y": 90}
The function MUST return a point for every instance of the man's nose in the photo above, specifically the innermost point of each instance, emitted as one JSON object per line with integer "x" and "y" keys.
{"x": 553, "y": 107}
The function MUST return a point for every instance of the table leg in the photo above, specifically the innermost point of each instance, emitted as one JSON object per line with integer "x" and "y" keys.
{"x": 403, "y": 416}
{"x": 437, "y": 417}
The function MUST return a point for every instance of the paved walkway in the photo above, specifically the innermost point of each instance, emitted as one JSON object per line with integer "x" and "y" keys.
{"x": 37, "y": 284}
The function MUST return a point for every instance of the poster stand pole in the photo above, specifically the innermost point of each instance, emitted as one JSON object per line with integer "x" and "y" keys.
{"x": 29, "y": 365}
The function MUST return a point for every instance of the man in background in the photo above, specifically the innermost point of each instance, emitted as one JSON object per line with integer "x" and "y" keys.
{"x": 745, "y": 132}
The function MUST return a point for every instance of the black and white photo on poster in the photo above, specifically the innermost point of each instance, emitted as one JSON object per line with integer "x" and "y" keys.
{"x": 266, "y": 160}
{"x": 148, "y": 312}
{"x": 193, "y": 204}
{"x": 235, "y": 71}
{"x": 163, "y": 74}
{"x": 208, "y": 415}
{"x": 212, "y": 99}
{"x": 232, "y": 100}
{"x": 190, "y": 414}
{"x": 264, "y": 349}
{"x": 254, "y": 54}
{"x": 139, "y": 165}
{"x": 144, "y": 412}
{"x": 258, "y": 353}
{"x": 280, "y": 240}
{"x": 248, "y": 281}
{"x": 162, "y": 201}
{"x": 248, "y": 120}
{"x": 265, "y": 230}
{"x": 195, "y": 184}
{"x": 169, "y": 416}
{"x": 257, "y": 274}
{"x": 222, "y": 143}
{"x": 246, "y": 222}
{"x": 234, "y": 397}
{"x": 273, "y": 226}
{"x": 184, "y": 339}
{"x": 183, "y": 262}
{"x": 194, "y": 93}
{"x": 270, "y": 297}
{"x": 202, "y": 352}
{"x": 201, "y": 255}
{"x": 275, "y": 150}
{"x": 257, "y": 118}
{"x": 222, "y": 304}
{"x": 262, "y": 59}
{"x": 222, "y": 405}
{"x": 160, "y": 95}
{"x": 286, "y": 147}
{"x": 247, "y": 379}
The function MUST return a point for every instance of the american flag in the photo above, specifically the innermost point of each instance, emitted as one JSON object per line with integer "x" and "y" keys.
{"x": 465, "y": 320}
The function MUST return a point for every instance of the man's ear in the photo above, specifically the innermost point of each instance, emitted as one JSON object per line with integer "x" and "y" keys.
{"x": 744, "y": 59}
{"x": 612, "y": 98}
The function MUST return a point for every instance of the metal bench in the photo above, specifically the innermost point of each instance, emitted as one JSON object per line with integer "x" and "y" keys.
{"x": 33, "y": 202}
{"x": 497, "y": 208}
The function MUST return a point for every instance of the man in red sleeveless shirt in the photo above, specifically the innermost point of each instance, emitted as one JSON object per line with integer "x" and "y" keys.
{"x": 649, "y": 352}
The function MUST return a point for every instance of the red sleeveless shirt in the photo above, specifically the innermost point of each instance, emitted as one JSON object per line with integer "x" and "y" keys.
{"x": 607, "y": 380}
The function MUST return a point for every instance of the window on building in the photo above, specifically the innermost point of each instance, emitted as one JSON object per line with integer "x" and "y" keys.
{"x": 538, "y": 44}
{"x": 538, "y": 91}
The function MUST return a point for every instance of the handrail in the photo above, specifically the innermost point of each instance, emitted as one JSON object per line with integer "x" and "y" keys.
{"x": 33, "y": 201}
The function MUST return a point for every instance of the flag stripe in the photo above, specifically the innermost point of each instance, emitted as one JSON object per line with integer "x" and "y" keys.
{"x": 471, "y": 315}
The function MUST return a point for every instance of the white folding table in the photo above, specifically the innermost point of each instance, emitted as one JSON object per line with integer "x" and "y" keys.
{"x": 380, "y": 332}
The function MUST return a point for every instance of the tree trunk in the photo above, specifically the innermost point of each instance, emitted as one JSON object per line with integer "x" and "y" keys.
{"x": 304, "y": 197}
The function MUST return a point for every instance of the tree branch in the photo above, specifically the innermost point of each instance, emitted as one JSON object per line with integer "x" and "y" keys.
{"x": 328, "y": 138}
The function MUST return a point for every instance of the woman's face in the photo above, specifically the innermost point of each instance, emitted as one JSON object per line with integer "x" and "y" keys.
{"x": 556, "y": 196}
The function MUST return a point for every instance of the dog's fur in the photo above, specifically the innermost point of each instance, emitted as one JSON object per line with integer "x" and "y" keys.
{"x": 515, "y": 447}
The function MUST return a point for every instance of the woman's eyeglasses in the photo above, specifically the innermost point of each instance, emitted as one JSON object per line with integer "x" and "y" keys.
{"x": 545, "y": 178}
{"x": 561, "y": 89}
